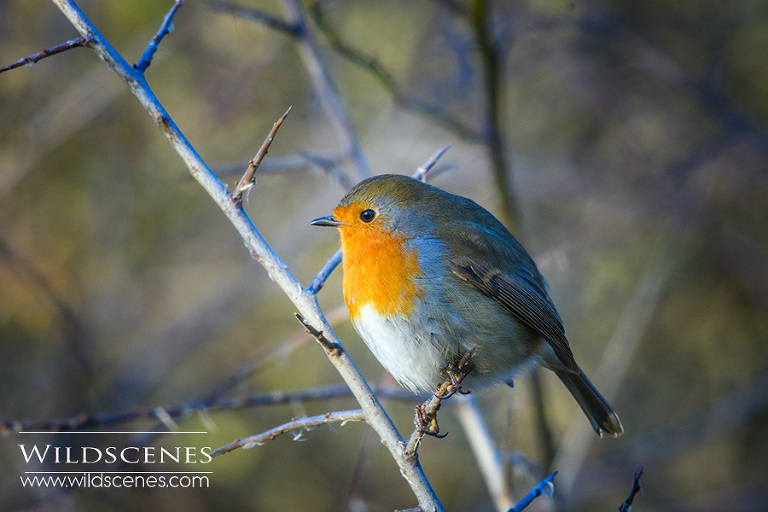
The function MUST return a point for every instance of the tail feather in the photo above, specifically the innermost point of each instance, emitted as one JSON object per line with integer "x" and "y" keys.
{"x": 597, "y": 409}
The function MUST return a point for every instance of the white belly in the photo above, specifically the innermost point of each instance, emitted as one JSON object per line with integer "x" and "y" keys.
{"x": 412, "y": 360}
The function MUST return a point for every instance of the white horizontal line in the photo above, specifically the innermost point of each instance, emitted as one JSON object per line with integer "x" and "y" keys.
{"x": 105, "y": 432}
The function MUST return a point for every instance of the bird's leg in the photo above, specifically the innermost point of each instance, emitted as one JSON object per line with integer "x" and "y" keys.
{"x": 454, "y": 374}
{"x": 425, "y": 417}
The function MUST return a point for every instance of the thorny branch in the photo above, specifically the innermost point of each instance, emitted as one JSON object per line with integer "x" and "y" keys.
{"x": 78, "y": 42}
{"x": 297, "y": 426}
{"x": 249, "y": 180}
{"x": 329, "y": 346}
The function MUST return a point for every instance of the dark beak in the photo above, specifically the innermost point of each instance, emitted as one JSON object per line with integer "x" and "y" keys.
{"x": 329, "y": 221}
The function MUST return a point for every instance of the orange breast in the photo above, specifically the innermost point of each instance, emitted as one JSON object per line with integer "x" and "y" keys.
{"x": 378, "y": 271}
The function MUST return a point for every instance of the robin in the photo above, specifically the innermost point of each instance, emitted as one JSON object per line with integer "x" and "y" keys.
{"x": 430, "y": 276}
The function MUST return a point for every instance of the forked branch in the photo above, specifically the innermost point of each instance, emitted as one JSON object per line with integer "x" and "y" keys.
{"x": 304, "y": 301}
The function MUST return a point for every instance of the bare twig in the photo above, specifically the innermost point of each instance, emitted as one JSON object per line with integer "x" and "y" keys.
{"x": 165, "y": 28}
{"x": 546, "y": 487}
{"x": 249, "y": 179}
{"x": 305, "y": 302}
{"x": 421, "y": 172}
{"x": 334, "y": 349}
{"x": 637, "y": 487}
{"x": 299, "y": 424}
{"x": 319, "y": 281}
{"x": 53, "y": 50}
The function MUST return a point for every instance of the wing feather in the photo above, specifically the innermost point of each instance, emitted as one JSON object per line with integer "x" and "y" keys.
{"x": 522, "y": 296}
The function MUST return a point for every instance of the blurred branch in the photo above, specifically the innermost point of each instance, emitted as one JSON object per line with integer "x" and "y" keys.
{"x": 302, "y": 161}
{"x": 305, "y": 302}
{"x": 716, "y": 419}
{"x": 385, "y": 78}
{"x": 637, "y": 487}
{"x": 492, "y": 61}
{"x": 487, "y": 455}
{"x": 546, "y": 487}
{"x": 249, "y": 180}
{"x": 175, "y": 412}
{"x": 674, "y": 439}
{"x": 256, "y": 15}
{"x": 620, "y": 349}
{"x": 165, "y": 29}
{"x": 544, "y": 432}
{"x": 78, "y": 42}
{"x": 72, "y": 326}
{"x": 331, "y": 167}
{"x": 325, "y": 86}
{"x": 657, "y": 63}
{"x": 299, "y": 424}
{"x": 279, "y": 350}
{"x": 637, "y": 315}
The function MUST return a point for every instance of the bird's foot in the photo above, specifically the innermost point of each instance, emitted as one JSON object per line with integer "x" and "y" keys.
{"x": 425, "y": 419}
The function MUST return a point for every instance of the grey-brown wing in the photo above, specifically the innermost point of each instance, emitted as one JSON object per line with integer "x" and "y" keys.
{"x": 522, "y": 296}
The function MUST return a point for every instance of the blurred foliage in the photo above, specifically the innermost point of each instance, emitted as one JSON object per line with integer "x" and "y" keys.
{"x": 638, "y": 139}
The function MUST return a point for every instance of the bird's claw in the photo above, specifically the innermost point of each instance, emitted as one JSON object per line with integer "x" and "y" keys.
{"x": 426, "y": 421}
{"x": 425, "y": 417}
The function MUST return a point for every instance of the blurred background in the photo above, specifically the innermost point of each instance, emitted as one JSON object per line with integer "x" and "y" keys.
{"x": 625, "y": 143}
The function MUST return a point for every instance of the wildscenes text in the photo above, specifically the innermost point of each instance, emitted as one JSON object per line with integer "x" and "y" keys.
{"x": 52, "y": 454}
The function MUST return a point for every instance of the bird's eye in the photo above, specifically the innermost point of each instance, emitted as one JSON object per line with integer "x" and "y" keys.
{"x": 367, "y": 215}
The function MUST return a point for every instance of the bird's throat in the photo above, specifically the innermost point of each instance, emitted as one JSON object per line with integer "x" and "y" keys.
{"x": 379, "y": 271}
